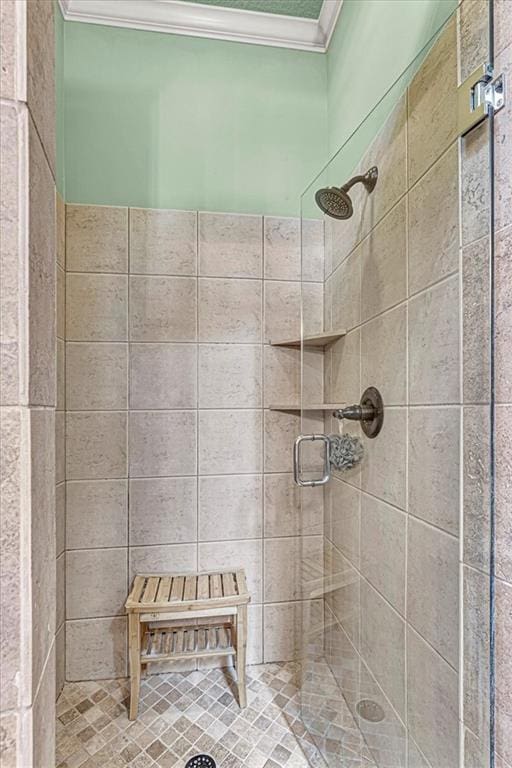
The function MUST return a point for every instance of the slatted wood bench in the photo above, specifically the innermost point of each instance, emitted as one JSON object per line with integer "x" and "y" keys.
{"x": 220, "y": 599}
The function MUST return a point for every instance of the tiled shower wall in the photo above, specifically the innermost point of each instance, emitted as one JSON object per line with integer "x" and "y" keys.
{"x": 174, "y": 460}
{"x": 408, "y": 532}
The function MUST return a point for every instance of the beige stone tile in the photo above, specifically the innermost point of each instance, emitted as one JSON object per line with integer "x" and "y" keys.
{"x": 96, "y": 307}
{"x": 162, "y": 443}
{"x": 312, "y": 236}
{"x": 476, "y": 612}
{"x": 96, "y": 514}
{"x": 230, "y": 442}
{"x": 475, "y": 322}
{"x": 230, "y": 245}
{"x": 383, "y": 645}
{"x": 433, "y": 223}
{"x": 477, "y": 751}
{"x": 434, "y": 465}
{"x": 346, "y": 293}
{"x": 10, "y": 42}
{"x": 60, "y": 594}
{"x": 230, "y": 376}
{"x": 40, "y": 31}
{"x": 503, "y": 338}
{"x": 503, "y": 25}
{"x": 474, "y": 184}
{"x": 281, "y": 247}
{"x": 383, "y": 548}
{"x": 162, "y": 308}
{"x": 343, "y": 597}
{"x": 282, "y": 565}
{"x": 343, "y": 385}
{"x": 60, "y": 518}
{"x": 60, "y": 447}
{"x": 163, "y": 242}
{"x": 230, "y": 310}
{"x": 345, "y": 516}
{"x": 43, "y": 735}
{"x": 61, "y": 303}
{"x": 313, "y": 388}
{"x": 503, "y": 148}
{"x": 383, "y": 355}
{"x": 281, "y": 368}
{"x": 60, "y": 660}
{"x": 503, "y": 669}
{"x": 282, "y": 310}
{"x": 476, "y": 485}
{"x": 96, "y": 649}
{"x": 432, "y": 121}
{"x": 173, "y": 558}
{"x": 95, "y": 445}
{"x": 433, "y": 587}
{"x": 163, "y": 510}
{"x": 96, "y": 376}
{"x": 312, "y": 308}
{"x": 163, "y": 376}
{"x": 284, "y": 515}
{"x": 41, "y": 465}
{"x": 96, "y": 238}
{"x": 434, "y": 345}
{"x": 473, "y": 36}
{"x": 282, "y": 631}
{"x": 60, "y": 234}
{"x": 230, "y": 507}
{"x": 235, "y": 554}
{"x": 280, "y": 431}
{"x": 503, "y": 469}
{"x": 61, "y": 374}
{"x": 41, "y": 276}
{"x": 96, "y": 582}
{"x": 432, "y": 704}
{"x": 383, "y": 470}
{"x": 383, "y": 264}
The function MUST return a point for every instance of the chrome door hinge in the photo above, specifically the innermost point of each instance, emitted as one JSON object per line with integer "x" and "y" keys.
{"x": 480, "y": 95}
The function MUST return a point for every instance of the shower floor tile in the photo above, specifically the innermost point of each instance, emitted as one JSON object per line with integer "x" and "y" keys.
{"x": 183, "y": 714}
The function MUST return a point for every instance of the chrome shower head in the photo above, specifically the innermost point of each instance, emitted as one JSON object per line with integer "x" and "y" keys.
{"x": 336, "y": 202}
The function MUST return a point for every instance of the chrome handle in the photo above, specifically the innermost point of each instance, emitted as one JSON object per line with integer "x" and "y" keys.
{"x": 296, "y": 461}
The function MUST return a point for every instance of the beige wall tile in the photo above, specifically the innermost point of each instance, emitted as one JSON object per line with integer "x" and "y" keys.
{"x": 230, "y": 442}
{"x": 61, "y": 374}
{"x": 432, "y": 123}
{"x": 60, "y": 568}
{"x": 383, "y": 467}
{"x": 433, "y": 587}
{"x": 344, "y": 383}
{"x": 282, "y": 310}
{"x": 96, "y": 514}
{"x": 282, "y": 631}
{"x": 284, "y": 515}
{"x": 163, "y": 376}
{"x": 281, "y": 429}
{"x": 476, "y": 655}
{"x": 474, "y": 185}
{"x": 96, "y": 238}
{"x": 175, "y": 558}
{"x": 43, "y": 735}
{"x": 503, "y": 468}
{"x": 230, "y": 507}
{"x": 163, "y": 510}
{"x": 60, "y": 660}
{"x": 96, "y": 649}
{"x": 344, "y": 597}
{"x": 230, "y": 376}
{"x": 503, "y": 338}
{"x": 230, "y": 245}
{"x": 312, "y": 308}
{"x": 95, "y": 445}
{"x": 476, "y": 486}
{"x": 383, "y": 645}
{"x": 281, "y": 246}
{"x": 10, "y": 42}
{"x": 41, "y": 74}
{"x": 235, "y": 554}
{"x": 163, "y": 242}
{"x": 346, "y": 293}
{"x": 383, "y": 549}
{"x": 345, "y": 516}
{"x": 162, "y": 308}
{"x": 312, "y": 236}
{"x": 434, "y": 223}
{"x": 282, "y": 375}
{"x": 96, "y": 307}
{"x": 383, "y": 264}
{"x": 503, "y": 146}
{"x": 434, "y": 345}
{"x": 96, "y": 582}
{"x": 434, "y": 464}
{"x": 230, "y": 310}
{"x": 475, "y": 322}
{"x": 60, "y": 447}
{"x": 473, "y": 36}
{"x": 162, "y": 443}
{"x": 313, "y": 375}
{"x": 503, "y": 669}
{"x": 96, "y": 376}
{"x": 432, "y": 705}
{"x": 383, "y": 355}
{"x": 503, "y": 28}
{"x": 61, "y": 303}
{"x": 60, "y": 518}
{"x": 282, "y": 564}
{"x": 60, "y": 234}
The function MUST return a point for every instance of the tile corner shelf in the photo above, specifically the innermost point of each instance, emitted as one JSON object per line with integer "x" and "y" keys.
{"x": 316, "y": 340}
{"x": 305, "y": 407}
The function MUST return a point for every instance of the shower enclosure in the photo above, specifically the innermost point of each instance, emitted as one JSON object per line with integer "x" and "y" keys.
{"x": 397, "y": 634}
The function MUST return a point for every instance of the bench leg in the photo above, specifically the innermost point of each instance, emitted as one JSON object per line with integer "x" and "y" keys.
{"x": 241, "y": 645}
{"x": 135, "y": 665}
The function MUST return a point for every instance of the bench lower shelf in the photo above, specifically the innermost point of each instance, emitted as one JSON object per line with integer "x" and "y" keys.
{"x": 173, "y": 643}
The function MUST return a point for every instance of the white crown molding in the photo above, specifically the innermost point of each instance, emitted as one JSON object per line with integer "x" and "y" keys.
{"x": 198, "y": 20}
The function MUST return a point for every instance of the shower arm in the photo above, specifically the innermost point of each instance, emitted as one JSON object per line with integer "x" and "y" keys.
{"x": 355, "y": 180}
{"x": 368, "y": 179}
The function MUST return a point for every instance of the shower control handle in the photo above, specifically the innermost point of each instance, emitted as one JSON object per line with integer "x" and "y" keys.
{"x": 356, "y": 413}
{"x": 370, "y": 412}
{"x": 326, "y": 476}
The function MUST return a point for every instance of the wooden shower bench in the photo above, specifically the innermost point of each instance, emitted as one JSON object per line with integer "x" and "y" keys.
{"x": 179, "y": 601}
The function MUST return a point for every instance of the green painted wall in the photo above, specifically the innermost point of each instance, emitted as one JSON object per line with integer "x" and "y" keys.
{"x": 176, "y": 122}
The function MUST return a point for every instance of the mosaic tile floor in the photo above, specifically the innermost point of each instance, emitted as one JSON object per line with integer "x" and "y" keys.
{"x": 185, "y": 714}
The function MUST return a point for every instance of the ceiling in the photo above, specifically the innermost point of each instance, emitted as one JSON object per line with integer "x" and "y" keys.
{"x": 306, "y": 9}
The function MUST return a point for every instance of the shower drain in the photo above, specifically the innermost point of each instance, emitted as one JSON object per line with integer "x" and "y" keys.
{"x": 201, "y": 761}
{"x": 370, "y": 710}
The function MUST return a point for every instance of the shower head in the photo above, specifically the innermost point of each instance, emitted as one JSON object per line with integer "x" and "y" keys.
{"x": 336, "y": 202}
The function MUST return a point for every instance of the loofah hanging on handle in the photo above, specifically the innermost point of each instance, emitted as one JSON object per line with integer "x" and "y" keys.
{"x": 346, "y": 451}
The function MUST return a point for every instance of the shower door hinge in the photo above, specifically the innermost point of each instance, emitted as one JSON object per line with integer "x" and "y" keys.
{"x": 480, "y": 95}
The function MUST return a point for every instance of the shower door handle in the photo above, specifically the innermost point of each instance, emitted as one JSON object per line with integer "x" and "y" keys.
{"x": 297, "y": 456}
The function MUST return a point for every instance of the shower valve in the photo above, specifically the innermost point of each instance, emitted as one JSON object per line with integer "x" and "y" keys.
{"x": 370, "y": 412}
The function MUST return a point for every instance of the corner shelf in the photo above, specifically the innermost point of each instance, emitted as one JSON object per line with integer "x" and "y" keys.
{"x": 307, "y": 407}
{"x": 317, "y": 340}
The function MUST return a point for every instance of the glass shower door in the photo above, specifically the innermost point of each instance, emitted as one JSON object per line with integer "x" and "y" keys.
{"x": 396, "y": 653}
